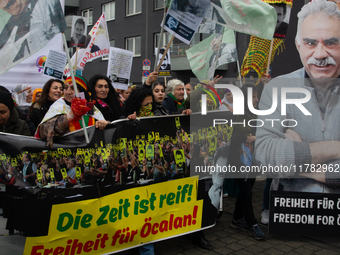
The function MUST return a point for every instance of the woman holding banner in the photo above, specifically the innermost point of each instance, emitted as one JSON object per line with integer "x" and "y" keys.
{"x": 105, "y": 96}
{"x": 65, "y": 114}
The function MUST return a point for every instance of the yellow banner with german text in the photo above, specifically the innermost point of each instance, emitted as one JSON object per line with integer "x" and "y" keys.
{"x": 121, "y": 220}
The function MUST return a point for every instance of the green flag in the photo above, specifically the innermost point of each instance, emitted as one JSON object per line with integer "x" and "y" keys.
{"x": 252, "y": 17}
{"x": 216, "y": 50}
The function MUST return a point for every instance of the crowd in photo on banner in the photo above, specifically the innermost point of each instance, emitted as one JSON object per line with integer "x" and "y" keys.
{"x": 54, "y": 110}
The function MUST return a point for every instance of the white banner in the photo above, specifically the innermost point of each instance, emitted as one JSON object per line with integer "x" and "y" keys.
{"x": 30, "y": 71}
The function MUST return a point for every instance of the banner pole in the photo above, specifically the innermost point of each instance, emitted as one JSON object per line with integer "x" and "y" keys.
{"x": 160, "y": 38}
{"x": 76, "y": 61}
{"x": 74, "y": 85}
{"x": 239, "y": 72}
{"x": 270, "y": 54}
{"x": 165, "y": 52}
{"x": 238, "y": 66}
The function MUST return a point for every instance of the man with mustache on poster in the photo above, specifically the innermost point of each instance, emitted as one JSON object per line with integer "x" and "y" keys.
{"x": 310, "y": 140}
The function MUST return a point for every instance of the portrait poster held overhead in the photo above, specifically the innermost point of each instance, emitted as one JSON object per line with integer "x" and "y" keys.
{"x": 165, "y": 67}
{"x": 303, "y": 171}
{"x": 97, "y": 45}
{"x": 184, "y": 17}
{"x": 119, "y": 67}
{"x": 28, "y": 29}
{"x": 283, "y": 11}
{"x": 78, "y": 31}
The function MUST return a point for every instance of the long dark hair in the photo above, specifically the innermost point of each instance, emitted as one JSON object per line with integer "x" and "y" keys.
{"x": 135, "y": 100}
{"x": 112, "y": 97}
{"x": 45, "y": 92}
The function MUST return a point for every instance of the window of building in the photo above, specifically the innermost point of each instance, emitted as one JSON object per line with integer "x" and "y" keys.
{"x": 165, "y": 40}
{"x": 89, "y": 14}
{"x": 133, "y": 7}
{"x": 112, "y": 44}
{"x": 109, "y": 9}
{"x": 134, "y": 44}
{"x": 159, "y": 4}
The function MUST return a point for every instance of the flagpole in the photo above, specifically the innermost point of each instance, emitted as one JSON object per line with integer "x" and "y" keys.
{"x": 270, "y": 54}
{"x": 75, "y": 67}
{"x": 74, "y": 85}
{"x": 238, "y": 66}
{"x": 239, "y": 72}
{"x": 165, "y": 52}
{"x": 160, "y": 38}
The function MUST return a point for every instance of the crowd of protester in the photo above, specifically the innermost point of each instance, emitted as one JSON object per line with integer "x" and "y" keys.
{"x": 54, "y": 111}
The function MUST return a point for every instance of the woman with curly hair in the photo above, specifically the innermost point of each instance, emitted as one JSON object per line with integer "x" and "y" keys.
{"x": 52, "y": 91}
{"x": 106, "y": 97}
{"x": 139, "y": 104}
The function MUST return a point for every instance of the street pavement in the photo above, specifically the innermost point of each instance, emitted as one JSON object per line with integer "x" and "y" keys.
{"x": 223, "y": 238}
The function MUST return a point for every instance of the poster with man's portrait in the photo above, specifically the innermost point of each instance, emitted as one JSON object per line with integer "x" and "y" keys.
{"x": 78, "y": 31}
{"x": 180, "y": 160}
{"x": 283, "y": 15}
{"x": 149, "y": 154}
{"x": 165, "y": 68}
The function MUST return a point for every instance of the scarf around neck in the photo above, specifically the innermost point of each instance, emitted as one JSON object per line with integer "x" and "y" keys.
{"x": 178, "y": 104}
{"x": 145, "y": 111}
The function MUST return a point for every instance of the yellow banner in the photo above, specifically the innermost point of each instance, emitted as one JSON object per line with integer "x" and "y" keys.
{"x": 121, "y": 220}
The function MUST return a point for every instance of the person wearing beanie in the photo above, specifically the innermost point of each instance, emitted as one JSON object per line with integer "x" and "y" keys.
{"x": 22, "y": 115}
{"x": 65, "y": 114}
{"x": 36, "y": 94}
{"x": 9, "y": 118}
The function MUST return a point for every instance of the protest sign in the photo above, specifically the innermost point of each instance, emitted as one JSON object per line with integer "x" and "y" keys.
{"x": 165, "y": 67}
{"x": 183, "y": 18}
{"x": 304, "y": 213}
{"x": 55, "y": 63}
{"x": 78, "y": 31}
{"x": 97, "y": 44}
{"x": 119, "y": 67}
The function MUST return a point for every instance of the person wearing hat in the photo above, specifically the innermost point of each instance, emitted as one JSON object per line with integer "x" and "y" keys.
{"x": 65, "y": 114}
{"x": 36, "y": 94}
{"x": 9, "y": 118}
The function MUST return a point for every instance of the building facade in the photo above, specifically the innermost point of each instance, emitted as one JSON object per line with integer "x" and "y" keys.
{"x": 136, "y": 24}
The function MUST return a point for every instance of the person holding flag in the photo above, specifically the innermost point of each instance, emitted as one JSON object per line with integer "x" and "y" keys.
{"x": 64, "y": 115}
